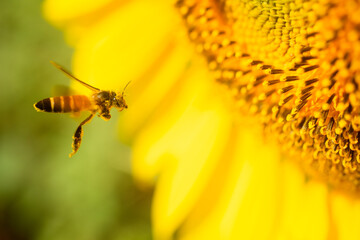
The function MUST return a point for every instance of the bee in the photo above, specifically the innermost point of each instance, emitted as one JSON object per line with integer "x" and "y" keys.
{"x": 100, "y": 102}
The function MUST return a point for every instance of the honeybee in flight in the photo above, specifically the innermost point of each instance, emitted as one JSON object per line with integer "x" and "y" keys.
{"x": 101, "y": 101}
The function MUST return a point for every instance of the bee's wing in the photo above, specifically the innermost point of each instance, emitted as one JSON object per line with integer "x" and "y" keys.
{"x": 73, "y": 77}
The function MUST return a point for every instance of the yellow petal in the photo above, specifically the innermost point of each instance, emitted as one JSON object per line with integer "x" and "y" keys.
{"x": 114, "y": 52}
{"x": 304, "y": 213}
{"x": 247, "y": 199}
{"x": 345, "y": 215}
{"x": 151, "y": 90}
{"x": 60, "y": 11}
{"x": 77, "y": 17}
{"x": 182, "y": 145}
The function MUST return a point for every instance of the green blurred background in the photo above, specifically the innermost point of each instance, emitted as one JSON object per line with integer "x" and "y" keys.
{"x": 43, "y": 193}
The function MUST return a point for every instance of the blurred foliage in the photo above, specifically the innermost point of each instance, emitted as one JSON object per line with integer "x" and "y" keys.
{"x": 43, "y": 193}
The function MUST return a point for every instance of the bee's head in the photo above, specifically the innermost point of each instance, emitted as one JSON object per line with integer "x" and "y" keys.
{"x": 119, "y": 100}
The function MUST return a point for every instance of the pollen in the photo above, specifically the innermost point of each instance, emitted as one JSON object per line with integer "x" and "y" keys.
{"x": 295, "y": 65}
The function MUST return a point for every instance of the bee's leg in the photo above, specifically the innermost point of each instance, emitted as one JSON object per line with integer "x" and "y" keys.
{"x": 78, "y": 135}
{"x": 105, "y": 114}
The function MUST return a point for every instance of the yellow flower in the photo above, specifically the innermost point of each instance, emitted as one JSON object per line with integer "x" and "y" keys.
{"x": 292, "y": 67}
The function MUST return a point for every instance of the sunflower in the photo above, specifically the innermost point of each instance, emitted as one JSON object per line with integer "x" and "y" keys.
{"x": 243, "y": 115}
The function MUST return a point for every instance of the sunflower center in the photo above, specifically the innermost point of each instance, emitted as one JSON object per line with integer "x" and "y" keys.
{"x": 295, "y": 64}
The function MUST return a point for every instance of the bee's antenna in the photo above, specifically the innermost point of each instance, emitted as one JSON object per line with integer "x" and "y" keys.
{"x": 125, "y": 88}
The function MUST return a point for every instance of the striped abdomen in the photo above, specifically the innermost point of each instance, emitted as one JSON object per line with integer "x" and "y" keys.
{"x": 64, "y": 104}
